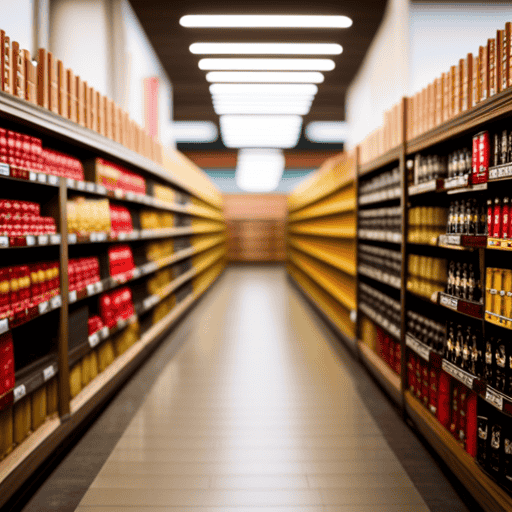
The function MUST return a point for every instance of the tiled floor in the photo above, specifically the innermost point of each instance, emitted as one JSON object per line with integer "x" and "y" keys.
{"x": 254, "y": 408}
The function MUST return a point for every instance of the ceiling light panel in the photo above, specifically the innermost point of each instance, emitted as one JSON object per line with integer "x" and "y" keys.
{"x": 282, "y": 89}
{"x": 267, "y": 64}
{"x": 266, "y": 48}
{"x": 259, "y": 170}
{"x": 301, "y": 110}
{"x": 239, "y": 131}
{"x": 327, "y": 131}
{"x": 194, "y": 131}
{"x": 298, "y": 77}
{"x": 264, "y": 21}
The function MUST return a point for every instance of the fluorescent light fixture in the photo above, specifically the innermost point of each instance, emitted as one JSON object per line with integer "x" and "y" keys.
{"x": 194, "y": 131}
{"x": 327, "y": 131}
{"x": 256, "y": 131}
{"x": 282, "y": 89}
{"x": 266, "y": 48}
{"x": 264, "y": 21}
{"x": 267, "y": 64}
{"x": 259, "y": 170}
{"x": 258, "y": 98}
{"x": 298, "y": 77}
{"x": 262, "y": 102}
{"x": 301, "y": 110}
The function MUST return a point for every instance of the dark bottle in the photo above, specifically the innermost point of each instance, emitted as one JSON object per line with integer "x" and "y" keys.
{"x": 509, "y": 148}
{"x": 450, "y": 343}
{"x": 451, "y": 279}
{"x": 462, "y": 217}
{"x": 482, "y": 439}
{"x": 476, "y": 356}
{"x": 469, "y": 161}
{"x": 471, "y": 292}
{"x": 449, "y": 228}
{"x": 464, "y": 281}
{"x": 495, "y": 450}
{"x": 497, "y": 150}
{"x": 501, "y": 363}
{"x": 466, "y": 350}
{"x": 462, "y": 163}
{"x": 504, "y": 147}
{"x": 458, "y": 280}
{"x": 489, "y": 360}
{"x": 482, "y": 219}
{"x": 459, "y": 345}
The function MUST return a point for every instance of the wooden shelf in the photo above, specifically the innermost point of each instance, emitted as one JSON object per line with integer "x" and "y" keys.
{"x": 387, "y": 158}
{"x": 387, "y": 378}
{"x": 330, "y": 232}
{"x": 488, "y": 493}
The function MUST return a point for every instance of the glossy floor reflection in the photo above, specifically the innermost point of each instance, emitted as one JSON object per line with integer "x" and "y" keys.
{"x": 255, "y": 412}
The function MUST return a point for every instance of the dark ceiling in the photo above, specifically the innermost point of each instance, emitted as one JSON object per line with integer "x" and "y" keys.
{"x": 192, "y": 100}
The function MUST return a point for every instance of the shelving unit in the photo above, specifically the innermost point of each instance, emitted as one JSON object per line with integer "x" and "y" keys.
{"x": 65, "y": 372}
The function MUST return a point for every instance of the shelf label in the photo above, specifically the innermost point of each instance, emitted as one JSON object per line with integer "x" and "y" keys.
{"x": 494, "y": 398}
{"x": 150, "y": 301}
{"x": 458, "y": 374}
{"x": 80, "y": 185}
{"x": 53, "y": 180}
{"x": 118, "y": 193}
{"x": 104, "y": 332}
{"x": 94, "y": 339}
{"x": 136, "y": 272}
{"x": 93, "y": 237}
{"x": 56, "y": 302}
{"x": 42, "y": 239}
{"x": 70, "y": 183}
{"x": 55, "y": 239}
{"x": 91, "y": 289}
{"x": 101, "y": 236}
{"x": 72, "y": 296}
{"x": 19, "y": 392}
{"x": 130, "y": 196}
{"x": 91, "y": 187}
{"x": 449, "y": 302}
{"x": 72, "y": 238}
{"x": 451, "y": 239}
{"x": 48, "y": 372}
{"x": 30, "y": 240}
{"x": 459, "y": 181}
{"x": 4, "y": 241}
{"x": 122, "y": 236}
{"x": 32, "y": 176}
{"x": 4, "y": 170}
{"x": 101, "y": 189}
{"x": 99, "y": 286}
{"x": 500, "y": 172}
{"x": 4, "y": 325}
{"x": 43, "y": 307}
{"x": 121, "y": 323}
{"x": 418, "y": 347}
{"x": 41, "y": 178}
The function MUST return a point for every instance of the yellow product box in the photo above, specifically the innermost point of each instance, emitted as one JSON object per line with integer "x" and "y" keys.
{"x": 39, "y": 411}
{"x": 75, "y": 380}
{"x": 6, "y": 432}
{"x": 22, "y": 419}
{"x": 52, "y": 397}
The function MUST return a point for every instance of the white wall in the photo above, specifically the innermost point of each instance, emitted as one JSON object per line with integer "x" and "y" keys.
{"x": 382, "y": 79}
{"x": 443, "y": 33}
{"x": 18, "y": 21}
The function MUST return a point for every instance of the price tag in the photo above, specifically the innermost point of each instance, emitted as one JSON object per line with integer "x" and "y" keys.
{"x": 91, "y": 289}
{"x": 118, "y": 193}
{"x": 449, "y": 302}
{"x": 32, "y": 176}
{"x": 121, "y": 323}
{"x": 93, "y": 237}
{"x": 104, "y": 332}
{"x": 42, "y": 239}
{"x": 132, "y": 319}
{"x": 99, "y": 286}
{"x": 72, "y": 238}
{"x": 458, "y": 374}
{"x": 122, "y": 236}
{"x": 55, "y": 239}
{"x": 19, "y": 392}
{"x": 41, "y": 178}
{"x": 494, "y": 398}
{"x": 48, "y": 372}
{"x": 101, "y": 236}
{"x": 53, "y": 180}
{"x": 80, "y": 185}
{"x": 72, "y": 296}
{"x": 91, "y": 187}
{"x": 56, "y": 302}
{"x": 4, "y": 241}
{"x": 31, "y": 240}
{"x": 4, "y": 325}
{"x": 130, "y": 196}
{"x": 453, "y": 239}
{"x": 418, "y": 347}
{"x": 136, "y": 272}
{"x": 70, "y": 183}
{"x": 94, "y": 339}
{"x": 4, "y": 170}
{"x": 44, "y": 307}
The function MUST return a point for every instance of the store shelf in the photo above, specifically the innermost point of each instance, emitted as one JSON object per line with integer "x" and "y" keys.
{"x": 465, "y": 307}
{"x": 391, "y": 156}
{"x": 500, "y": 172}
{"x": 386, "y": 377}
{"x": 333, "y": 232}
{"x": 10, "y": 242}
{"x": 468, "y": 122}
{"x": 379, "y": 236}
{"x": 380, "y": 197}
{"x": 380, "y": 320}
{"x": 462, "y": 241}
{"x": 347, "y": 205}
{"x": 499, "y": 244}
{"x": 423, "y": 350}
{"x": 488, "y": 493}
{"x": 426, "y": 187}
{"x": 136, "y": 234}
{"x": 379, "y": 275}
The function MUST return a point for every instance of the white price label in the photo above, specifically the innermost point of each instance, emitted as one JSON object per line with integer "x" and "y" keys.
{"x": 104, "y": 332}
{"x": 4, "y": 241}
{"x": 93, "y": 237}
{"x": 80, "y": 185}
{"x": 494, "y": 398}
{"x": 31, "y": 240}
{"x": 32, "y": 176}
{"x": 118, "y": 193}
{"x": 91, "y": 289}
{"x": 136, "y": 272}
{"x": 121, "y": 323}
{"x": 72, "y": 296}
{"x": 42, "y": 239}
{"x": 4, "y": 169}
{"x": 449, "y": 302}
{"x": 122, "y": 236}
{"x": 91, "y": 187}
{"x": 460, "y": 375}
{"x": 94, "y": 339}
{"x": 56, "y": 302}
{"x": 418, "y": 347}
{"x": 134, "y": 235}
{"x": 19, "y": 392}
{"x": 49, "y": 372}
{"x": 150, "y": 301}
{"x": 98, "y": 287}
{"x": 43, "y": 307}
{"x": 72, "y": 238}
{"x": 453, "y": 239}
{"x": 70, "y": 183}
{"x": 130, "y": 196}
{"x": 4, "y": 325}
{"x": 41, "y": 178}
{"x": 101, "y": 189}
{"x": 55, "y": 239}
{"x": 53, "y": 180}
{"x": 101, "y": 236}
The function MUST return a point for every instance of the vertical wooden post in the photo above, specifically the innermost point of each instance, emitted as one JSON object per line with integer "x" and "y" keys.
{"x": 62, "y": 355}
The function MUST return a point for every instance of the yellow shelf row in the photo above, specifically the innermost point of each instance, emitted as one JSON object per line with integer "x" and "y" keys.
{"x": 336, "y": 226}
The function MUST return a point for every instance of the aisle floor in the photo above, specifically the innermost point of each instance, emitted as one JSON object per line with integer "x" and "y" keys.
{"x": 249, "y": 406}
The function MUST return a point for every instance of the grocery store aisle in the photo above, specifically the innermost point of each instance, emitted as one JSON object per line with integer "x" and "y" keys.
{"x": 249, "y": 406}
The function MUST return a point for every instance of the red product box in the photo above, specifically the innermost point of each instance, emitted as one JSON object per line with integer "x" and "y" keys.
{"x": 120, "y": 259}
{"x": 398, "y": 359}
{"x": 471, "y": 424}
{"x": 411, "y": 373}
{"x": 425, "y": 383}
{"x": 482, "y": 172}
{"x": 6, "y": 363}
{"x": 433, "y": 389}
{"x": 497, "y": 224}
{"x": 443, "y": 400}
{"x": 94, "y": 324}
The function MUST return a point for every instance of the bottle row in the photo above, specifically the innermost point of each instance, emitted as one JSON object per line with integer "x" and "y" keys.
{"x": 385, "y": 260}
{"x": 384, "y": 181}
{"x": 383, "y": 305}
